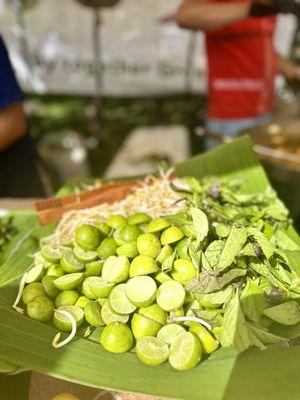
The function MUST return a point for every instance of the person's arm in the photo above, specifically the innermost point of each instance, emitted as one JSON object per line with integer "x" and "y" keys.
{"x": 205, "y": 16}
{"x": 12, "y": 125}
{"x": 288, "y": 69}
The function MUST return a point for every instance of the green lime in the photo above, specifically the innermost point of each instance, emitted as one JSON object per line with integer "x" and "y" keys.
{"x": 178, "y": 312}
{"x": 189, "y": 231}
{"x": 171, "y": 235}
{"x": 82, "y": 302}
{"x": 88, "y": 237}
{"x": 62, "y": 322}
{"x": 128, "y": 249}
{"x": 116, "y": 269}
{"x": 66, "y": 298}
{"x": 144, "y": 227}
{"x": 117, "y": 221}
{"x": 189, "y": 297}
{"x": 84, "y": 256}
{"x": 94, "y": 287}
{"x": 158, "y": 225}
{"x": 51, "y": 253}
{"x": 185, "y": 352}
{"x": 143, "y": 326}
{"x": 183, "y": 271}
{"x": 94, "y": 268}
{"x": 151, "y": 350}
{"x": 49, "y": 287}
{"x": 208, "y": 342}
{"x": 70, "y": 264}
{"x": 119, "y": 301}
{"x": 148, "y": 245}
{"x": 103, "y": 228}
{"x": 35, "y": 274}
{"x": 92, "y": 313}
{"x": 40, "y": 309}
{"x": 170, "y": 295}
{"x": 40, "y": 260}
{"x": 55, "y": 270}
{"x": 169, "y": 333}
{"x": 130, "y": 233}
{"x": 116, "y": 338}
{"x": 139, "y": 218}
{"x": 101, "y": 301}
{"x": 182, "y": 248}
{"x": 142, "y": 265}
{"x": 141, "y": 290}
{"x": 108, "y": 315}
{"x": 161, "y": 277}
{"x": 155, "y": 313}
{"x": 107, "y": 248}
{"x": 69, "y": 282}
{"x": 31, "y": 291}
{"x": 117, "y": 238}
{"x": 165, "y": 252}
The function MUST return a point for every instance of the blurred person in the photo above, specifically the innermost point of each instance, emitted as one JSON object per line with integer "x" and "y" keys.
{"x": 19, "y": 161}
{"x": 242, "y": 60}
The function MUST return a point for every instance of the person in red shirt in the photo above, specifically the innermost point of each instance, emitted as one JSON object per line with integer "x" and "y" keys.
{"x": 242, "y": 60}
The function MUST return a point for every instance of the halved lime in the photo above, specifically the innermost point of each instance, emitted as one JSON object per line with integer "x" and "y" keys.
{"x": 185, "y": 352}
{"x": 94, "y": 287}
{"x": 142, "y": 265}
{"x": 55, "y": 270}
{"x": 107, "y": 248}
{"x": 182, "y": 248}
{"x": 158, "y": 225}
{"x": 49, "y": 287}
{"x": 116, "y": 269}
{"x": 40, "y": 260}
{"x": 208, "y": 342}
{"x": 70, "y": 264}
{"x": 141, "y": 290}
{"x": 162, "y": 277}
{"x": 82, "y": 302}
{"x": 128, "y": 249}
{"x": 151, "y": 350}
{"x": 51, "y": 253}
{"x": 92, "y": 313}
{"x": 171, "y": 235}
{"x": 108, "y": 315}
{"x": 183, "y": 271}
{"x": 40, "y": 309}
{"x": 148, "y": 245}
{"x": 138, "y": 218}
{"x": 155, "y": 313}
{"x": 117, "y": 221}
{"x": 69, "y": 282}
{"x": 85, "y": 256}
{"x": 117, "y": 238}
{"x": 130, "y": 233}
{"x": 165, "y": 252}
{"x": 35, "y": 274}
{"x": 66, "y": 298}
{"x": 31, "y": 291}
{"x": 170, "y": 295}
{"x": 103, "y": 228}
{"x": 88, "y": 237}
{"x": 119, "y": 301}
{"x": 94, "y": 268}
{"x": 63, "y": 323}
{"x": 143, "y": 326}
{"x": 169, "y": 333}
{"x": 102, "y": 300}
{"x": 116, "y": 338}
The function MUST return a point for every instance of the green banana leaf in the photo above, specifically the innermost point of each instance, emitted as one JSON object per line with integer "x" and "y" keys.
{"x": 263, "y": 375}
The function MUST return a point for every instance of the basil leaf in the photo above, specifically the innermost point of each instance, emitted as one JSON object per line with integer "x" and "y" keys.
{"x": 235, "y": 241}
{"x": 263, "y": 269}
{"x": 247, "y": 251}
{"x": 212, "y": 254}
{"x": 200, "y": 224}
{"x": 217, "y": 298}
{"x": 179, "y": 218}
{"x": 262, "y": 241}
{"x": 283, "y": 241}
{"x": 195, "y": 256}
{"x": 252, "y": 301}
{"x": 293, "y": 259}
{"x": 260, "y": 337}
{"x": 286, "y": 313}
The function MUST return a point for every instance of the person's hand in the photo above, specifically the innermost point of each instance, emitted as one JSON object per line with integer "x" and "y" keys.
{"x": 262, "y": 8}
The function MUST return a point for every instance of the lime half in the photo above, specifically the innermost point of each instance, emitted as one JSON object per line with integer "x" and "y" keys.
{"x": 171, "y": 235}
{"x": 138, "y": 218}
{"x": 119, "y": 301}
{"x": 70, "y": 264}
{"x": 208, "y": 342}
{"x": 151, "y": 350}
{"x": 170, "y": 295}
{"x": 142, "y": 265}
{"x": 155, "y": 313}
{"x": 63, "y": 323}
{"x": 143, "y": 326}
{"x": 108, "y": 315}
{"x": 116, "y": 269}
{"x": 51, "y": 253}
{"x": 158, "y": 225}
{"x": 94, "y": 287}
{"x": 68, "y": 282}
{"x": 35, "y": 274}
{"x": 116, "y": 338}
{"x": 92, "y": 313}
{"x": 85, "y": 256}
{"x": 141, "y": 290}
{"x": 169, "y": 333}
{"x": 185, "y": 352}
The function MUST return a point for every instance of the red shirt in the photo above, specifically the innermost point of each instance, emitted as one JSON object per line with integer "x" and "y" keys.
{"x": 242, "y": 66}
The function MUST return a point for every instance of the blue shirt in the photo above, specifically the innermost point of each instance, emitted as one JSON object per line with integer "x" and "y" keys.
{"x": 10, "y": 91}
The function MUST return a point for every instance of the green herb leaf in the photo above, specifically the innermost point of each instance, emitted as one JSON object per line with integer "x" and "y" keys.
{"x": 286, "y": 313}
{"x": 167, "y": 266}
{"x": 235, "y": 241}
{"x": 200, "y": 223}
{"x": 252, "y": 301}
{"x": 212, "y": 254}
{"x": 262, "y": 241}
{"x": 195, "y": 256}
{"x": 218, "y": 298}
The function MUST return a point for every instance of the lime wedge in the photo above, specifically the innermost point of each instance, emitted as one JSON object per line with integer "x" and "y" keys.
{"x": 162, "y": 277}
{"x": 92, "y": 313}
{"x": 158, "y": 225}
{"x": 141, "y": 290}
{"x": 51, "y": 253}
{"x": 70, "y": 264}
{"x": 68, "y": 282}
{"x": 155, "y": 313}
{"x": 151, "y": 350}
{"x": 94, "y": 287}
{"x": 169, "y": 333}
{"x": 142, "y": 265}
{"x": 170, "y": 295}
{"x": 143, "y": 326}
{"x": 185, "y": 352}
{"x": 116, "y": 269}
{"x": 165, "y": 252}
{"x": 119, "y": 301}
{"x": 35, "y": 274}
{"x": 84, "y": 256}
{"x": 62, "y": 323}
{"x": 208, "y": 342}
{"x": 138, "y": 218}
{"x": 108, "y": 315}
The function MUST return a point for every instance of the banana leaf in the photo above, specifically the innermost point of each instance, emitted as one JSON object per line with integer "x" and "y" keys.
{"x": 270, "y": 374}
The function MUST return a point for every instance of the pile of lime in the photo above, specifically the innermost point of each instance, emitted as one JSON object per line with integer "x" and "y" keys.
{"x": 126, "y": 276}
